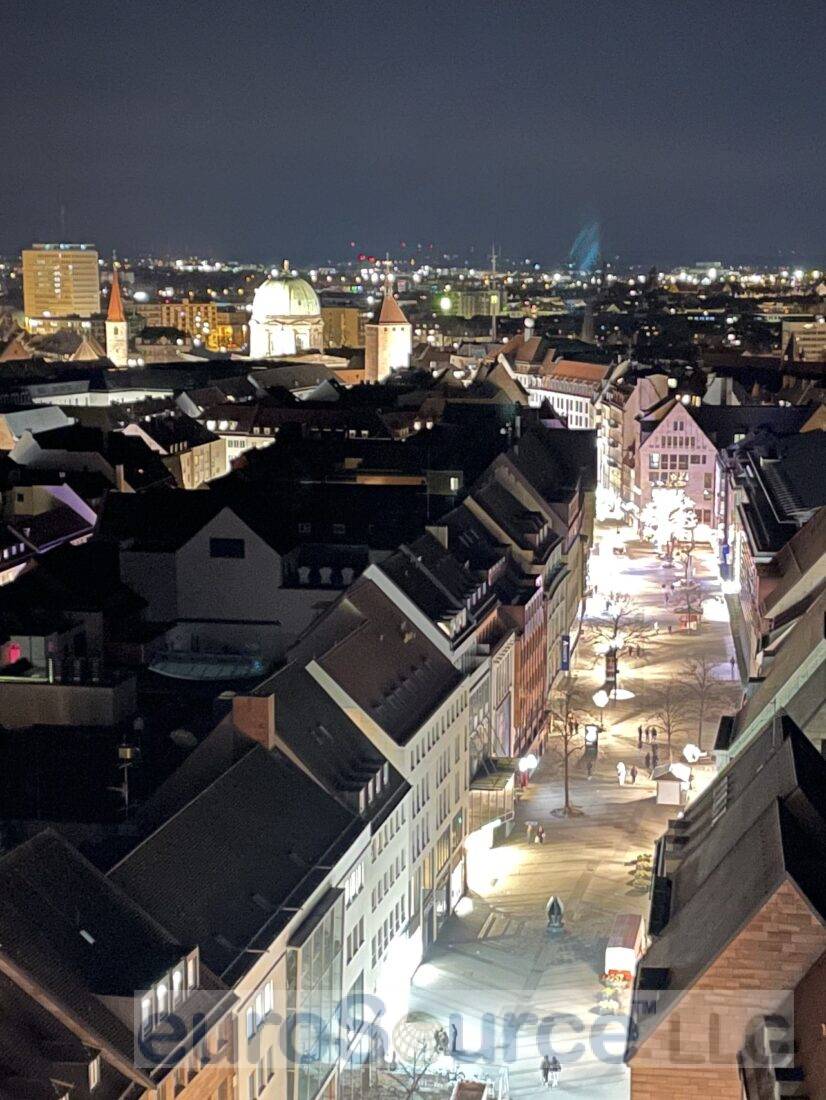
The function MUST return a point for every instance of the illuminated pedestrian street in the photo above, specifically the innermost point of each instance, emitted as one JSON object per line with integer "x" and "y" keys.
{"x": 500, "y": 958}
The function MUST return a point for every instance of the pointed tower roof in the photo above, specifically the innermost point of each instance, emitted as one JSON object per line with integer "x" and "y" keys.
{"x": 88, "y": 350}
{"x": 391, "y": 313}
{"x": 115, "y": 311}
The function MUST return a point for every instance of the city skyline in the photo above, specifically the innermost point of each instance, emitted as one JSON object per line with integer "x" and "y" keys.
{"x": 296, "y": 133}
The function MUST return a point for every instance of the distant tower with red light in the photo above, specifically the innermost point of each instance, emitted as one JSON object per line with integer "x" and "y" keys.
{"x": 117, "y": 332}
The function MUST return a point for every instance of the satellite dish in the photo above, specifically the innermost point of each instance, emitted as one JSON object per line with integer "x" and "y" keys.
{"x": 183, "y": 739}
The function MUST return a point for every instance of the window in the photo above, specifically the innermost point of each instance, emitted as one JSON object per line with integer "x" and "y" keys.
{"x": 338, "y": 528}
{"x": 191, "y": 972}
{"x": 146, "y": 1015}
{"x": 695, "y": 460}
{"x": 250, "y": 1022}
{"x": 355, "y": 938}
{"x": 268, "y": 998}
{"x": 94, "y": 1072}
{"x": 707, "y": 480}
{"x": 226, "y": 548}
{"x": 354, "y": 884}
{"x": 304, "y": 528}
{"x": 683, "y": 462}
{"x": 162, "y": 994}
{"x": 251, "y": 1086}
{"x": 653, "y": 460}
{"x": 270, "y": 1063}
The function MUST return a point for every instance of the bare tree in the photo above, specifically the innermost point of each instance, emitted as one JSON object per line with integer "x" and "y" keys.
{"x": 569, "y": 715}
{"x": 704, "y": 688}
{"x": 407, "y": 1073}
{"x": 668, "y": 517}
{"x": 685, "y": 557}
{"x": 620, "y": 619}
{"x": 670, "y": 712}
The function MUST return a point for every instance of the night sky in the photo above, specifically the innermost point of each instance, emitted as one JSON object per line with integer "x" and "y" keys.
{"x": 257, "y": 129}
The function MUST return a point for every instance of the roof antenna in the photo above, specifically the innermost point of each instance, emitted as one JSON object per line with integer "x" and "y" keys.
{"x": 494, "y": 306}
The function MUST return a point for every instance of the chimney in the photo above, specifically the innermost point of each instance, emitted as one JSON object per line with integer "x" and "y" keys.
{"x": 439, "y": 533}
{"x": 254, "y": 715}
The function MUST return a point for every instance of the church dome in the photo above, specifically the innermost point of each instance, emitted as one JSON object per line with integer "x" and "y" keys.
{"x": 284, "y": 295}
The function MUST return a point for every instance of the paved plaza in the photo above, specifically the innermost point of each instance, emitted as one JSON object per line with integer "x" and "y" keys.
{"x": 499, "y": 958}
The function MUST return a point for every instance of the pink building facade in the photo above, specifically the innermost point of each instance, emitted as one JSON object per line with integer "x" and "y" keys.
{"x": 677, "y": 454}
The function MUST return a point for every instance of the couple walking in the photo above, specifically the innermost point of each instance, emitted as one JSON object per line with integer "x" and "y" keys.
{"x": 550, "y": 1070}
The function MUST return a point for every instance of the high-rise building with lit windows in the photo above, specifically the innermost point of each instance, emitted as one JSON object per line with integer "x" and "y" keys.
{"x": 60, "y": 280}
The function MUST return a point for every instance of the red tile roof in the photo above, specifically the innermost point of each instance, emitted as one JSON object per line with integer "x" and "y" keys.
{"x": 586, "y": 372}
{"x": 391, "y": 313}
{"x": 115, "y": 312}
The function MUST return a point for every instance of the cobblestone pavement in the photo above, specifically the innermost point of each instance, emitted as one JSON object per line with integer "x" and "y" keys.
{"x": 499, "y": 958}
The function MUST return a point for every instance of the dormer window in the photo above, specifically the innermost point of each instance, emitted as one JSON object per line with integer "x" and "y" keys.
{"x": 146, "y": 1014}
{"x": 192, "y": 972}
{"x": 94, "y": 1072}
{"x": 177, "y": 985}
{"x": 162, "y": 997}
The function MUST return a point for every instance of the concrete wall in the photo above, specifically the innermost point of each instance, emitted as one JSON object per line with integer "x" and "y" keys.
{"x": 31, "y": 703}
{"x": 237, "y": 589}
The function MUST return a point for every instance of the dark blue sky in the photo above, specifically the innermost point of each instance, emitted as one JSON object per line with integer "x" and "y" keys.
{"x": 262, "y": 128}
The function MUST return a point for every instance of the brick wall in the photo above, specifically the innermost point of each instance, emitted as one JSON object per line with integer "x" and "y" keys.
{"x": 810, "y": 1027}
{"x": 692, "y": 1052}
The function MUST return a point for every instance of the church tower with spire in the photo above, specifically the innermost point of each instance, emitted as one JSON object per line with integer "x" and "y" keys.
{"x": 388, "y": 341}
{"x": 117, "y": 333}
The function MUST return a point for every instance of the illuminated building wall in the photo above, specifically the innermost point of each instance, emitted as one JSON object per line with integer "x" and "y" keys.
{"x": 60, "y": 280}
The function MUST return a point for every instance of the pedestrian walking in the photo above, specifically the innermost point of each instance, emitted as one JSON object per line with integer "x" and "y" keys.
{"x": 656, "y": 627}
{"x": 648, "y": 761}
{"x": 669, "y": 628}
{"x": 556, "y": 1069}
{"x": 633, "y": 773}
{"x": 454, "y": 1037}
{"x": 540, "y": 834}
{"x": 639, "y": 736}
{"x": 666, "y": 595}
{"x": 732, "y": 662}
{"x": 621, "y": 773}
{"x": 545, "y": 1070}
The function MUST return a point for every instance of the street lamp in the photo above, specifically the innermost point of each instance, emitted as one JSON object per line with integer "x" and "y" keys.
{"x": 591, "y": 739}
